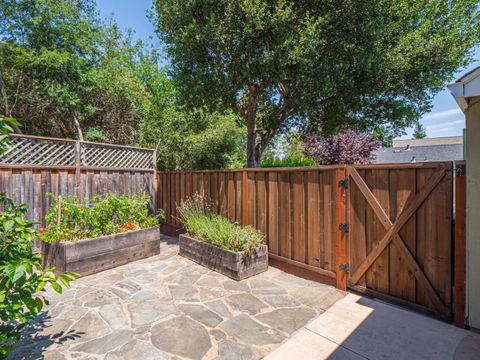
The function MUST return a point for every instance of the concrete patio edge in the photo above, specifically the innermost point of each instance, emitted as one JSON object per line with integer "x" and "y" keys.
{"x": 356, "y": 327}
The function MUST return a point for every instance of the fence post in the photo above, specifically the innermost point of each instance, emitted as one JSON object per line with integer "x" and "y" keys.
{"x": 78, "y": 168}
{"x": 244, "y": 197}
{"x": 155, "y": 195}
{"x": 460, "y": 245}
{"x": 341, "y": 234}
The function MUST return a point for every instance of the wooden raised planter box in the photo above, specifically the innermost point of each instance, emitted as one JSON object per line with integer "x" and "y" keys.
{"x": 91, "y": 256}
{"x": 232, "y": 264}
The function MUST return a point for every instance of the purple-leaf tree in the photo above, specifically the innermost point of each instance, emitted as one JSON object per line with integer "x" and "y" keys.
{"x": 347, "y": 147}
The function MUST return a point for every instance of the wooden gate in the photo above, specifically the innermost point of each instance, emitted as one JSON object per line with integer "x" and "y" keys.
{"x": 400, "y": 233}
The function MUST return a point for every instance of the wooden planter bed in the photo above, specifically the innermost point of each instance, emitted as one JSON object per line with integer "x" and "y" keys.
{"x": 90, "y": 256}
{"x": 232, "y": 264}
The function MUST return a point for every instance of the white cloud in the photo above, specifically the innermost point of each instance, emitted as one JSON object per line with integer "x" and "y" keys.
{"x": 451, "y": 130}
{"x": 444, "y": 125}
{"x": 441, "y": 114}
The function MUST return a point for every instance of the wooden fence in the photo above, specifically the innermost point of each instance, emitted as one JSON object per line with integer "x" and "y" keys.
{"x": 386, "y": 230}
{"x": 294, "y": 208}
{"x": 400, "y": 239}
{"x": 36, "y": 166}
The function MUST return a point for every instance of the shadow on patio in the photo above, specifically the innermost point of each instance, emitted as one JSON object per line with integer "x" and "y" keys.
{"x": 361, "y": 328}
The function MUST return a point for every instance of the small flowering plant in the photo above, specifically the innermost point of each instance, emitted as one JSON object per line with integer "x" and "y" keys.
{"x": 127, "y": 227}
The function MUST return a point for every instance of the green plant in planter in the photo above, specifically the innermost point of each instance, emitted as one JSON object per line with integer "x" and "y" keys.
{"x": 101, "y": 215}
{"x": 22, "y": 281}
{"x": 204, "y": 224}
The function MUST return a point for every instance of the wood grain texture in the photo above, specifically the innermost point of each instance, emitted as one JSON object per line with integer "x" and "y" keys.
{"x": 294, "y": 209}
{"x": 32, "y": 186}
{"x": 400, "y": 220}
{"x": 407, "y": 232}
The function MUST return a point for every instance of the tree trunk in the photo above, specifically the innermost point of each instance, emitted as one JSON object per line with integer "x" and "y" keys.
{"x": 77, "y": 126}
{"x": 251, "y": 120}
{"x": 6, "y": 108}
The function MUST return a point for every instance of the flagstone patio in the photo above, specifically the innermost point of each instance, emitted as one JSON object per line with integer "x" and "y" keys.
{"x": 167, "y": 307}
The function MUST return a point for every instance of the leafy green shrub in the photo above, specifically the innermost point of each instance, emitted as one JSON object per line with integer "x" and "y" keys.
{"x": 288, "y": 162}
{"x": 22, "y": 280}
{"x": 6, "y": 124}
{"x": 202, "y": 223}
{"x": 101, "y": 215}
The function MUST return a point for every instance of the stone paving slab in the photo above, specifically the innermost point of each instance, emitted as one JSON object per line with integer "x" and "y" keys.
{"x": 167, "y": 307}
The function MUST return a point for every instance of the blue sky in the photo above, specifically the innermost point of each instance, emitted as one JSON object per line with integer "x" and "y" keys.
{"x": 445, "y": 118}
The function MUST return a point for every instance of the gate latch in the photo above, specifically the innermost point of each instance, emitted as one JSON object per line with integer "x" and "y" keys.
{"x": 344, "y": 267}
{"x": 343, "y": 227}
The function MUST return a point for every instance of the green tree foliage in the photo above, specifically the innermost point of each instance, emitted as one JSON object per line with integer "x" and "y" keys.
{"x": 194, "y": 139}
{"x": 419, "y": 131}
{"x": 62, "y": 69}
{"x": 22, "y": 281}
{"x": 384, "y": 136}
{"x": 186, "y": 138}
{"x": 337, "y": 64}
{"x": 66, "y": 73}
{"x": 287, "y": 150}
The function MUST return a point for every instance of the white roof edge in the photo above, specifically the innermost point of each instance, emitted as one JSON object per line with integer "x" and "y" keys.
{"x": 468, "y": 86}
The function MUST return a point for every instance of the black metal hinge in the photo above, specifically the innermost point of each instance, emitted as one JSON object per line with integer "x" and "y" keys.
{"x": 343, "y": 183}
{"x": 459, "y": 171}
{"x": 343, "y": 227}
{"x": 344, "y": 267}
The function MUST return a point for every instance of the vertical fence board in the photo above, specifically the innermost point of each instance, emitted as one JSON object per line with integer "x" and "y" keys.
{"x": 284, "y": 235}
{"x": 402, "y": 188}
{"x": 329, "y": 215}
{"x": 358, "y": 244}
{"x": 377, "y": 274}
{"x": 341, "y": 235}
{"x": 231, "y": 196}
{"x": 252, "y": 199}
{"x": 273, "y": 220}
{"x": 313, "y": 219}
{"x": 298, "y": 207}
{"x": 261, "y": 203}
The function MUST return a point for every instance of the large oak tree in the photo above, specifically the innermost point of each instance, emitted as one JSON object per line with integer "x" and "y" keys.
{"x": 328, "y": 63}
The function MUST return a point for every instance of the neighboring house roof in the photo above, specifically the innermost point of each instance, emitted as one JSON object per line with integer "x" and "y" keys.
{"x": 447, "y": 140}
{"x": 449, "y": 152}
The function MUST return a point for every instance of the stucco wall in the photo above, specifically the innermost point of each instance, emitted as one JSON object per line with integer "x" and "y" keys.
{"x": 473, "y": 214}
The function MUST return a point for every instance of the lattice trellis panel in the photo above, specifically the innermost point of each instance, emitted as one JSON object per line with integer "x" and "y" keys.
{"x": 107, "y": 156}
{"x": 33, "y": 151}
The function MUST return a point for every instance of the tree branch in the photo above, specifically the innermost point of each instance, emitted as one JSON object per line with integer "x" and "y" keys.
{"x": 8, "y": 113}
{"x": 77, "y": 126}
